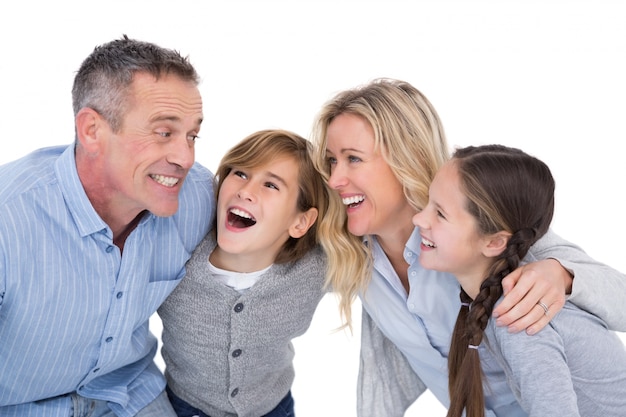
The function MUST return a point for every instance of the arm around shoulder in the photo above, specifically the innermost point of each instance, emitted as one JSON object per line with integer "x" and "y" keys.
{"x": 596, "y": 287}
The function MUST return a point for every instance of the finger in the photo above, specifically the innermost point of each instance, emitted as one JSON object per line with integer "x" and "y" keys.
{"x": 526, "y": 311}
{"x": 513, "y": 293}
{"x": 542, "y": 322}
{"x": 508, "y": 282}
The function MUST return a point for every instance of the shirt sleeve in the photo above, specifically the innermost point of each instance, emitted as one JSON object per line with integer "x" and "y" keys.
{"x": 597, "y": 288}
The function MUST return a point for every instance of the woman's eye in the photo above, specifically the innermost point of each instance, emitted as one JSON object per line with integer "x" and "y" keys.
{"x": 331, "y": 160}
{"x": 354, "y": 159}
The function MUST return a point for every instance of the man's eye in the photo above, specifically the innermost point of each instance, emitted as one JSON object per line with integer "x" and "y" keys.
{"x": 193, "y": 138}
{"x": 165, "y": 134}
{"x": 240, "y": 174}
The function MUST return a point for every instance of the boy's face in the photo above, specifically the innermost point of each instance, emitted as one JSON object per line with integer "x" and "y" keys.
{"x": 256, "y": 214}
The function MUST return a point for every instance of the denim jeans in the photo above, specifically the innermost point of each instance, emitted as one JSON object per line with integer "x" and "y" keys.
{"x": 73, "y": 405}
{"x": 86, "y": 407}
{"x": 184, "y": 409}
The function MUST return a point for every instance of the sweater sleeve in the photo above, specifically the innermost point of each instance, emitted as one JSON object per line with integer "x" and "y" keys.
{"x": 387, "y": 385}
{"x": 597, "y": 288}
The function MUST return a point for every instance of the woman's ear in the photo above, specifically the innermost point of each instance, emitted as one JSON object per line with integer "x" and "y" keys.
{"x": 496, "y": 243}
{"x": 303, "y": 223}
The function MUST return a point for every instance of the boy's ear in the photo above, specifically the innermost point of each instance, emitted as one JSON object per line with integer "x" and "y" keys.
{"x": 496, "y": 243}
{"x": 303, "y": 223}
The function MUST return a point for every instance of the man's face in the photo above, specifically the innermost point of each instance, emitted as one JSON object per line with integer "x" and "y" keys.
{"x": 146, "y": 161}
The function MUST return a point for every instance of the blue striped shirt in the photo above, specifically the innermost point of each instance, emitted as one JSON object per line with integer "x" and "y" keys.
{"x": 74, "y": 313}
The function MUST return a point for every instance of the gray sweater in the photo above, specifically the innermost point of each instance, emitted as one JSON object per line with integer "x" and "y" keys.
{"x": 573, "y": 367}
{"x": 230, "y": 354}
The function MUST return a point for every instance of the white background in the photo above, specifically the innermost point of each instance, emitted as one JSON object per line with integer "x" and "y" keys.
{"x": 545, "y": 76}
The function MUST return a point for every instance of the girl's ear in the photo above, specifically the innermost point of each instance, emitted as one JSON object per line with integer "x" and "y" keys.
{"x": 303, "y": 223}
{"x": 496, "y": 243}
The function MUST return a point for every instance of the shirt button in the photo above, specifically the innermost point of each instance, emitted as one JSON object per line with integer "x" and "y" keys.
{"x": 234, "y": 392}
{"x": 119, "y": 294}
{"x": 96, "y": 370}
{"x": 236, "y": 353}
{"x": 238, "y": 307}
{"x": 109, "y": 249}
{"x": 109, "y": 339}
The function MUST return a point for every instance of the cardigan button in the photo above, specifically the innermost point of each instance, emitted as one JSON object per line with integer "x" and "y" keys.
{"x": 234, "y": 392}
{"x": 236, "y": 353}
{"x": 238, "y": 307}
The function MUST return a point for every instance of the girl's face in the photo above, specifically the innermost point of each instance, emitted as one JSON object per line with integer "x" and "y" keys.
{"x": 372, "y": 194}
{"x": 257, "y": 212}
{"x": 450, "y": 238}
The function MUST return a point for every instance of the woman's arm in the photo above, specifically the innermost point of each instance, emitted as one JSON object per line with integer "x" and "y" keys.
{"x": 557, "y": 267}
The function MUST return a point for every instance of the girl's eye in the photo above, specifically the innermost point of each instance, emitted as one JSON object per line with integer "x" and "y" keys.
{"x": 440, "y": 214}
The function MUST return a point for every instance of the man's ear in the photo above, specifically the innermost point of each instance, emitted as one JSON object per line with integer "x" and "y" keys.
{"x": 88, "y": 123}
{"x": 495, "y": 243}
{"x": 303, "y": 223}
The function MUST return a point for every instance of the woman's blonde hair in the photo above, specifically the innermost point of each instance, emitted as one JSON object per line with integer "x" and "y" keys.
{"x": 410, "y": 137}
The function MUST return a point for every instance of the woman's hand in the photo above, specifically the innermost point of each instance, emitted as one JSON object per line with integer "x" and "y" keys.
{"x": 526, "y": 289}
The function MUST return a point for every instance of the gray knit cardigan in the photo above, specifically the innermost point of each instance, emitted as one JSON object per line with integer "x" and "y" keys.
{"x": 230, "y": 354}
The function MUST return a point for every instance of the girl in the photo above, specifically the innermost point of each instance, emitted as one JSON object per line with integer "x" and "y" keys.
{"x": 252, "y": 285}
{"x": 486, "y": 207}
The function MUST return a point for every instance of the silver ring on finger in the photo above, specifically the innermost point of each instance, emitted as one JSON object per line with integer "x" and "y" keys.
{"x": 545, "y": 307}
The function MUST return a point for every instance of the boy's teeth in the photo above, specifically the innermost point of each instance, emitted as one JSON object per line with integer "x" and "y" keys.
{"x": 240, "y": 213}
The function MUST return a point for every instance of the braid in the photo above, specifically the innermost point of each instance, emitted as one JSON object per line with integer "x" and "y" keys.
{"x": 463, "y": 360}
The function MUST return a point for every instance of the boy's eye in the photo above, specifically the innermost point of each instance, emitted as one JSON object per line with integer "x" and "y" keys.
{"x": 271, "y": 185}
{"x": 240, "y": 174}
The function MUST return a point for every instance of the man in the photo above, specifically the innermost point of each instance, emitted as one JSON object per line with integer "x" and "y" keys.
{"x": 95, "y": 235}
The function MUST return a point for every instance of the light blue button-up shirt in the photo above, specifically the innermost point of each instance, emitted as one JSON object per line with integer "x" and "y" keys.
{"x": 421, "y": 323}
{"x": 74, "y": 313}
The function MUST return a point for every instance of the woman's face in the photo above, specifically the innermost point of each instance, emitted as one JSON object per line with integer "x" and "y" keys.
{"x": 372, "y": 194}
